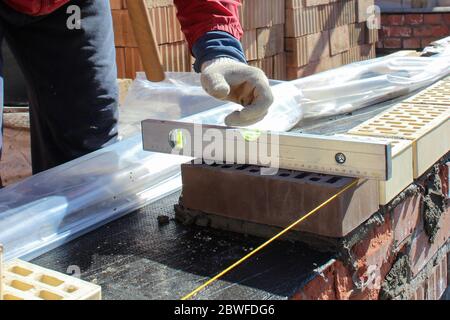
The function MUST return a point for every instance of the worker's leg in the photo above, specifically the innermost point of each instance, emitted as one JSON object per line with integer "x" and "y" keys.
{"x": 71, "y": 77}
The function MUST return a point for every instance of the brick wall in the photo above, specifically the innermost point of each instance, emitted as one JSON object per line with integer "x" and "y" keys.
{"x": 395, "y": 257}
{"x": 411, "y": 30}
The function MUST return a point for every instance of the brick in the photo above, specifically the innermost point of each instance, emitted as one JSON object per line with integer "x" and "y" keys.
{"x": 175, "y": 56}
{"x": 174, "y": 33}
{"x": 440, "y": 31}
{"x": 160, "y": 19}
{"x": 158, "y": 3}
{"x": 343, "y": 281}
{"x": 294, "y": 4}
{"x": 339, "y": 40}
{"x": 433, "y": 18}
{"x": 213, "y": 190}
{"x": 320, "y": 288}
{"x": 392, "y": 43}
{"x": 363, "y": 7}
{"x": 413, "y": 19}
{"x": 411, "y": 43}
{"x": 436, "y": 282}
{"x": 397, "y": 31}
{"x": 296, "y": 51}
{"x": 448, "y": 268}
{"x": 422, "y": 250}
{"x": 371, "y": 36}
{"x": 427, "y": 41}
{"x": 422, "y": 31}
{"x": 270, "y": 41}
{"x": 333, "y": 282}
{"x": 392, "y": 20}
{"x": 420, "y": 292}
{"x": 326, "y": 17}
{"x": 249, "y": 44}
{"x": 374, "y": 258}
{"x": 310, "y": 3}
{"x": 446, "y": 18}
{"x": 406, "y": 218}
{"x": 444, "y": 174}
{"x": 312, "y": 68}
{"x": 278, "y": 12}
{"x": 318, "y": 46}
{"x": 301, "y": 22}
{"x": 357, "y": 34}
{"x": 279, "y": 66}
{"x": 256, "y": 14}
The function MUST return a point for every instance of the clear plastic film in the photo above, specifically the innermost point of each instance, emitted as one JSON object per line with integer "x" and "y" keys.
{"x": 56, "y": 206}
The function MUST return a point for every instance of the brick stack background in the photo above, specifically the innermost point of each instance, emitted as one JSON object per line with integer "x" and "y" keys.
{"x": 263, "y": 22}
{"x": 324, "y": 34}
{"x": 172, "y": 46}
{"x": 286, "y": 38}
{"x": 412, "y": 30}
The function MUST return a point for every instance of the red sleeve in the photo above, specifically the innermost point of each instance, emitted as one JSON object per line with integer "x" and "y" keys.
{"x": 200, "y": 16}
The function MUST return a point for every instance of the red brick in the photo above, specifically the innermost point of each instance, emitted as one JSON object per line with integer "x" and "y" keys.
{"x": 374, "y": 258}
{"x": 384, "y": 20}
{"x": 440, "y": 31}
{"x": 422, "y": 250}
{"x": 343, "y": 281}
{"x": 335, "y": 282}
{"x": 446, "y": 18}
{"x": 426, "y": 41}
{"x": 437, "y": 281}
{"x": 392, "y": 20}
{"x": 413, "y": 19}
{"x": 406, "y": 218}
{"x": 392, "y": 43}
{"x": 422, "y": 31}
{"x": 420, "y": 292}
{"x": 320, "y": 288}
{"x": 411, "y": 43}
{"x": 443, "y": 174}
{"x": 397, "y": 31}
{"x": 433, "y": 18}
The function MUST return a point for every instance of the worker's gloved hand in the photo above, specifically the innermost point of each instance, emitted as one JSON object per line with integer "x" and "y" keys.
{"x": 228, "y": 79}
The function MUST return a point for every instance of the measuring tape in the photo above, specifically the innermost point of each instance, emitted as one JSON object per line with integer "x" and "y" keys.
{"x": 265, "y": 244}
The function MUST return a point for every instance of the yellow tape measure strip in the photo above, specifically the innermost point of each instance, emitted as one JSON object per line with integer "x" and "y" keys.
{"x": 265, "y": 244}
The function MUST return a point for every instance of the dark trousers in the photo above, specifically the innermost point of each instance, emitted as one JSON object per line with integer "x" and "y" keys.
{"x": 71, "y": 79}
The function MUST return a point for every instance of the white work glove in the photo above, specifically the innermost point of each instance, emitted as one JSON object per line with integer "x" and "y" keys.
{"x": 228, "y": 79}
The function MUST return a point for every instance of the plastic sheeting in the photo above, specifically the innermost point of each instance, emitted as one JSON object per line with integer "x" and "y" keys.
{"x": 58, "y": 205}
{"x": 338, "y": 91}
